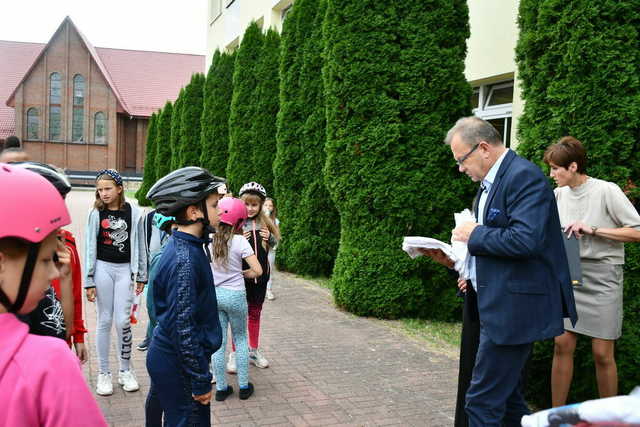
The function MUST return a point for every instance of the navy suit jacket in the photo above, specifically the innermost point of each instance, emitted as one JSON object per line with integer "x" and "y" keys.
{"x": 522, "y": 275}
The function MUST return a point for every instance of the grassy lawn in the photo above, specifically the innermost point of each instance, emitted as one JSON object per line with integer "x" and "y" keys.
{"x": 130, "y": 194}
{"x": 439, "y": 336}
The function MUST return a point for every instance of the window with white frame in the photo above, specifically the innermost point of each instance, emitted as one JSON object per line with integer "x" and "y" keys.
{"x": 215, "y": 10}
{"x": 494, "y": 103}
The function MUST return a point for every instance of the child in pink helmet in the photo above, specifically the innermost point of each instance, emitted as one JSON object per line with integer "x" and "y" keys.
{"x": 40, "y": 379}
{"x": 229, "y": 249}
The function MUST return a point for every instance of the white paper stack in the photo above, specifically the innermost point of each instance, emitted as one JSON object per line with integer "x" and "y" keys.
{"x": 456, "y": 251}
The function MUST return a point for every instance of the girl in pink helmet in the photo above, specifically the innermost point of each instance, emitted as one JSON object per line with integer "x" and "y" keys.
{"x": 230, "y": 249}
{"x": 40, "y": 379}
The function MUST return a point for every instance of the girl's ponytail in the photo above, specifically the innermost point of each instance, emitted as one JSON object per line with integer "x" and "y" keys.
{"x": 221, "y": 243}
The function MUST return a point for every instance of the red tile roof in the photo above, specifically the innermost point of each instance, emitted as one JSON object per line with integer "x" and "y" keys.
{"x": 146, "y": 80}
{"x": 142, "y": 81}
{"x": 17, "y": 57}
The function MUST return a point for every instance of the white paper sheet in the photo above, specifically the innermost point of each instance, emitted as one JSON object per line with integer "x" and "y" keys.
{"x": 456, "y": 251}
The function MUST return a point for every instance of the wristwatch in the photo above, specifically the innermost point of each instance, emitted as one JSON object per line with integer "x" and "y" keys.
{"x": 593, "y": 230}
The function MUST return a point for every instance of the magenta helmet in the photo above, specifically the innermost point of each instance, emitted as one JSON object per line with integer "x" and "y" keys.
{"x": 232, "y": 211}
{"x": 32, "y": 209}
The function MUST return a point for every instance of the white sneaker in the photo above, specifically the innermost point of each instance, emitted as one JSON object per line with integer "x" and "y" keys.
{"x": 231, "y": 364}
{"x": 258, "y": 359}
{"x": 128, "y": 380}
{"x": 104, "y": 387}
{"x": 270, "y": 295}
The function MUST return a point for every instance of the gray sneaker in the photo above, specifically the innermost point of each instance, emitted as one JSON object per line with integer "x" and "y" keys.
{"x": 256, "y": 357}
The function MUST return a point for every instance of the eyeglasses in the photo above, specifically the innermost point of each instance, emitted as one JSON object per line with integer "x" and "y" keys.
{"x": 462, "y": 159}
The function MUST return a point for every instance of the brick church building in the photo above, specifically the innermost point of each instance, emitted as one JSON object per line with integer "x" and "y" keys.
{"x": 86, "y": 108}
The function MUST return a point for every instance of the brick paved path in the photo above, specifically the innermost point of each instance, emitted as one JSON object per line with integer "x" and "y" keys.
{"x": 327, "y": 367}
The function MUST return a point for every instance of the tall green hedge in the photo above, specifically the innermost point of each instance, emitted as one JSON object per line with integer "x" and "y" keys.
{"x": 163, "y": 145}
{"x": 578, "y": 64}
{"x": 242, "y": 138}
{"x": 190, "y": 148}
{"x": 287, "y": 182}
{"x": 394, "y": 85}
{"x": 315, "y": 237}
{"x": 176, "y": 123}
{"x": 266, "y": 105}
{"x": 214, "y": 136}
{"x": 149, "y": 162}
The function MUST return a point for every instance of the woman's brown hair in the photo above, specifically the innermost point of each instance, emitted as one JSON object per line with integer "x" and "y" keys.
{"x": 566, "y": 151}
{"x": 99, "y": 204}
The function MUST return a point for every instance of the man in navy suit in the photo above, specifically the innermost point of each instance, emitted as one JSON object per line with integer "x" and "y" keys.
{"x": 518, "y": 268}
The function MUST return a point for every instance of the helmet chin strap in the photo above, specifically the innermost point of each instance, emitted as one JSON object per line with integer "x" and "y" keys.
{"x": 25, "y": 281}
{"x": 206, "y": 228}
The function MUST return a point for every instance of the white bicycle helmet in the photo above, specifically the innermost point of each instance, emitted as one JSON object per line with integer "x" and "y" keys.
{"x": 255, "y": 188}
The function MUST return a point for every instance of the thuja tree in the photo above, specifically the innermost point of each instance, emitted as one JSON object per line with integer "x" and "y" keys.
{"x": 287, "y": 178}
{"x": 214, "y": 136}
{"x": 149, "y": 162}
{"x": 394, "y": 84}
{"x": 266, "y": 103}
{"x": 314, "y": 241}
{"x": 190, "y": 148}
{"x": 242, "y": 138}
{"x": 163, "y": 144}
{"x": 584, "y": 82}
{"x": 176, "y": 123}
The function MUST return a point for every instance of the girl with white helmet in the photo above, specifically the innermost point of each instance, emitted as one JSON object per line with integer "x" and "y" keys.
{"x": 229, "y": 250}
{"x": 41, "y": 383}
{"x": 262, "y": 234}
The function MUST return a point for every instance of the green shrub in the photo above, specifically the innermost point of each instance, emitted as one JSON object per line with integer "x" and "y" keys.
{"x": 394, "y": 85}
{"x": 149, "y": 176}
{"x": 314, "y": 238}
{"x": 176, "y": 122}
{"x": 242, "y": 138}
{"x": 163, "y": 145}
{"x": 190, "y": 148}
{"x": 215, "y": 114}
{"x": 287, "y": 181}
{"x": 578, "y": 65}
{"x": 266, "y": 104}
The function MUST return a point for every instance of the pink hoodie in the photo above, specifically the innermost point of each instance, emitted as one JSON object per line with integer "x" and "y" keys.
{"x": 40, "y": 381}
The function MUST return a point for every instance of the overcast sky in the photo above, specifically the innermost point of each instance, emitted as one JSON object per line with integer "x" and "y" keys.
{"x": 160, "y": 25}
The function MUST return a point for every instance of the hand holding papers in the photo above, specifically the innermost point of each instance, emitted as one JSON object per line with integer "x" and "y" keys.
{"x": 457, "y": 251}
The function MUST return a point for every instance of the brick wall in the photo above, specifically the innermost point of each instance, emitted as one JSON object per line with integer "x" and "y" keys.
{"x": 68, "y": 56}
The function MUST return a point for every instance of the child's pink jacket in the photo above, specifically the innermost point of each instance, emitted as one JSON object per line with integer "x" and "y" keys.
{"x": 41, "y": 383}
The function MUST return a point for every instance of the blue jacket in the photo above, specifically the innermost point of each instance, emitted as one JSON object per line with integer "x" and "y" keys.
{"x": 186, "y": 308}
{"x": 524, "y": 287}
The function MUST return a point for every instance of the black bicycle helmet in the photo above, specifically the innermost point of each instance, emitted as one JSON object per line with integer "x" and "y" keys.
{"x": 253, "y": 188}
{"x": 53, "y": 175}
{"x": 184, "y": 187}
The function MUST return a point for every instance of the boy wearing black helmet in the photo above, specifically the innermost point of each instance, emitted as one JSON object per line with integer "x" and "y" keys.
{"x": 188, "y": 330}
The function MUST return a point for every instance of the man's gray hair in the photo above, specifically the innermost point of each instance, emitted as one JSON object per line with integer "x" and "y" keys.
{"x": 473, "y": 130}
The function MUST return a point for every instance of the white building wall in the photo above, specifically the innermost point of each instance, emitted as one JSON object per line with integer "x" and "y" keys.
{"x": 228, "y": 20}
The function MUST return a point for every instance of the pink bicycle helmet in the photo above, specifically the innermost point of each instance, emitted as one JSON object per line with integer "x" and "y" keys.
{"x": 232, "y": 211}
{"x": 32, "y": 209}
